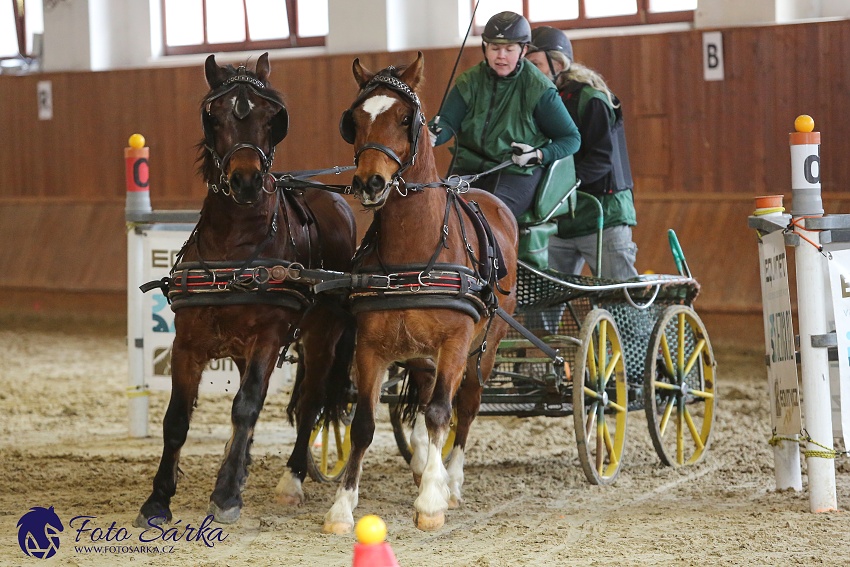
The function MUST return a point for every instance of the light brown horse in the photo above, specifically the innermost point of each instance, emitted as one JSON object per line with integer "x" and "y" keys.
{"x": 422, "y": 240}
{"x": 246, "y": 260}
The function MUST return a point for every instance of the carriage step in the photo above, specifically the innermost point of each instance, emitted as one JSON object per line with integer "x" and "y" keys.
{"x": 526, "y": 409}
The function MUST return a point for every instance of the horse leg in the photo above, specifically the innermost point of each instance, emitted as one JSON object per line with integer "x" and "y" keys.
{"x": 467, "y": 404}
{"x": 226, "y": 499}
{"x": 185, "y": 377}
{"x": 340, "y": 518}
{"x": 288, "y": 490}
{"x": 319, "y": 385}
{"x": 433, "y": 500}
{"x": 422, "y": 373}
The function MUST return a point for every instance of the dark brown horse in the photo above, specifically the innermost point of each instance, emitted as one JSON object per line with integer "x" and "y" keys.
{"x": 430, "y": 291}
{"x": 241, "y": 288}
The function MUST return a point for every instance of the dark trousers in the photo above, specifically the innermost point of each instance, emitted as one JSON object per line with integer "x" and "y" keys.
{"x": 517, "y": 191}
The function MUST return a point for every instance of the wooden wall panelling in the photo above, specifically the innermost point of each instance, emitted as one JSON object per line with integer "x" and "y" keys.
{"x": 62, "y": 181}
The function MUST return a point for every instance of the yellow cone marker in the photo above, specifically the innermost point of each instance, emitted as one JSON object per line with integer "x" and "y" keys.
{"x": 370, "y": 530}
{"x": 371, "y": 550}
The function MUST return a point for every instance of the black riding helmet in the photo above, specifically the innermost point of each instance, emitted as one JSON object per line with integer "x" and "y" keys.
{"x": 507, "y": 27}
{"x": 546, "y": 39}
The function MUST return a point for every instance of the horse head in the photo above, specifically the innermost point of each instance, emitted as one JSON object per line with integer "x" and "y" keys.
{"x": 244, "y": 119}
{"x": 384, "y": 124}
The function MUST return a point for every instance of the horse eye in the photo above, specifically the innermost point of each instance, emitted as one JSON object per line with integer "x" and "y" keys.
{"x": 406, "y": 121}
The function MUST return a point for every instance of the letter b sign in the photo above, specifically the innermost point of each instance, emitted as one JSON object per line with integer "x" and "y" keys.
{"x": 712, "y": 56}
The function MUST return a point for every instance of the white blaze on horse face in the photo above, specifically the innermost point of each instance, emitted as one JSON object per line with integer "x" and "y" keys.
{"x": 233, "y": 103}
{"x": 377, "y": 104}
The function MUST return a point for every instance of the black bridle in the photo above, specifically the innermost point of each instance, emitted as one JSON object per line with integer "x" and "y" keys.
{"x": 279, "y": 125}
{"x": 385, "y": 78}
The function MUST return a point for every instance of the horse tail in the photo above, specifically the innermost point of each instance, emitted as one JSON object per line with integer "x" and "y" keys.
{"x": 339, "y": 392}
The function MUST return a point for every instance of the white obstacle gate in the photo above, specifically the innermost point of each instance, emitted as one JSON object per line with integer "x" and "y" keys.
{"x": 819, "y": 242}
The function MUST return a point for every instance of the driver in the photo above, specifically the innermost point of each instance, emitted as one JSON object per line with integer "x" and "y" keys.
{"x": 502, "y": 109}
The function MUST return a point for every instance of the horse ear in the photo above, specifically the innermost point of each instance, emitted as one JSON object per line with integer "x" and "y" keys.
{"x": 361, "y": 74}
{"x": 213, "y": 73}
{"x": 263, "y": 68}
{"x": 413, "y": 75}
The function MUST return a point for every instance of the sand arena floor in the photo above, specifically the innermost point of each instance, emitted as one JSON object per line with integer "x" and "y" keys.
{"x": 64, "y": 443}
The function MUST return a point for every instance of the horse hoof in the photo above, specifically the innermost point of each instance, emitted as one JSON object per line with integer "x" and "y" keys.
{"x": 417, "y": 479}
{"x": 427, "y": 522}
{"x": 288, "y": 491}
{"x": 289, "y": 500}
{"x": 142, "y": 521}
{"x": 338, "y": 528}
{"x": 454, "y": 502}
{"x": 229, "y": 516}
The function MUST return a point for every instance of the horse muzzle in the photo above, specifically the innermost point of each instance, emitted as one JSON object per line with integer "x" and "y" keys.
{"x": 373, "y": 192}
{"x": 246, "y": 187}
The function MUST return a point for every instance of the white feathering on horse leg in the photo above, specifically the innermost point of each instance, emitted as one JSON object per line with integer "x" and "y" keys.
{"x": 340, "y": 518}
{"x": 288, "y": 491}
{"x": 455, "y": 470}
{"x": 419, "y": 444}
{"x": 433, "y": 491}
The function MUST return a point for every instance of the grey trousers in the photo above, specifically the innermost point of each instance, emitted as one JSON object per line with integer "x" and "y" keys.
{"x": 568, "y": 255}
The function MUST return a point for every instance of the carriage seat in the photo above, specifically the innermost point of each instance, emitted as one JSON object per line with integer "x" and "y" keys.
{"x": 555, "y": 197}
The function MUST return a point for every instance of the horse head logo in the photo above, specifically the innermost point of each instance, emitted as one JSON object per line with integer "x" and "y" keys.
{"x": 38, "y": 532}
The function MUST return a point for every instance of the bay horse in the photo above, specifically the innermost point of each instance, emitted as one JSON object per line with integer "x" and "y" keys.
{"x": 241, "y": 286}
{"x": 430, "y": 267}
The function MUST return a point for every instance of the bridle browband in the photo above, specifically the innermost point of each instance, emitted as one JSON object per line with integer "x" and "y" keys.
{"x": 279, "y": 127}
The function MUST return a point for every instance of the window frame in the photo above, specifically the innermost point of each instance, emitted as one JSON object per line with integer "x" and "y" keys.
{"x": 294, "y": 40}
{"x": 642, "y": 17}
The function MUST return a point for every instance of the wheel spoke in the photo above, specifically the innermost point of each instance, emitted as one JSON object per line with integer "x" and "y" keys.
{"x": 694, "y": 356}
{"x": 591, "y": 359}
{"x": 591, "y": 418}
{"x": 694, "y": 433}
{"x": 681, "y": 342}
{"x": 338, "y": 439}
{"x": 617, "y": 407}
{"x": 612, "y": 364}
{"x": 600, "y": 453}
{"x": 662, "y": 427}
{"x": 701, "y": 394}
{"x": 668, "y": 360}
{"x": 680, "y": 437}
{"x": 664, "y": 386}
{"x": 602, "y": 350}
{"x": 323, "y": 461}
{"x": 591, "y": 393}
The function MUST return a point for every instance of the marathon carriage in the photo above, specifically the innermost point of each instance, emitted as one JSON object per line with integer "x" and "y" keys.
{"x": 588, "y": 347}
{"x": 636, "y": 344}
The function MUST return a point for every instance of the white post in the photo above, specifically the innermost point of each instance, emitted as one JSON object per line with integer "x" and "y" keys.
{"x": 811, "y": 307}
{"x": 138, "y": 204}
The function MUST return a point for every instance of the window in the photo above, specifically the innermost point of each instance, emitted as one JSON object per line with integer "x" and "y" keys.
{"x": 571, "y": 14}
{"x": 20, "y": 23}
{"x": 201, "y": 26}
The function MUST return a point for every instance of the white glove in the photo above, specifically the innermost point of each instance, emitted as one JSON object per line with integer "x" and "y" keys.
{"x": 433, "y": 136}
{"x": 525, "y": 155}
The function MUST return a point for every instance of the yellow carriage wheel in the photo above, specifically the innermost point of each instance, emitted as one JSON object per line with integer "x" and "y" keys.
{"x": 600, "y": 398}
{"x": 330, "y": 448}
{"x": 679, "y": 387}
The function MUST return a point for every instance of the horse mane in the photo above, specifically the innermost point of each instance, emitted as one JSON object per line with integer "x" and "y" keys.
{"x": 206, "y": 167}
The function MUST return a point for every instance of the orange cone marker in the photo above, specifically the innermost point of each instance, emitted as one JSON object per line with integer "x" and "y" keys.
{"x": 371, "y": 550}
